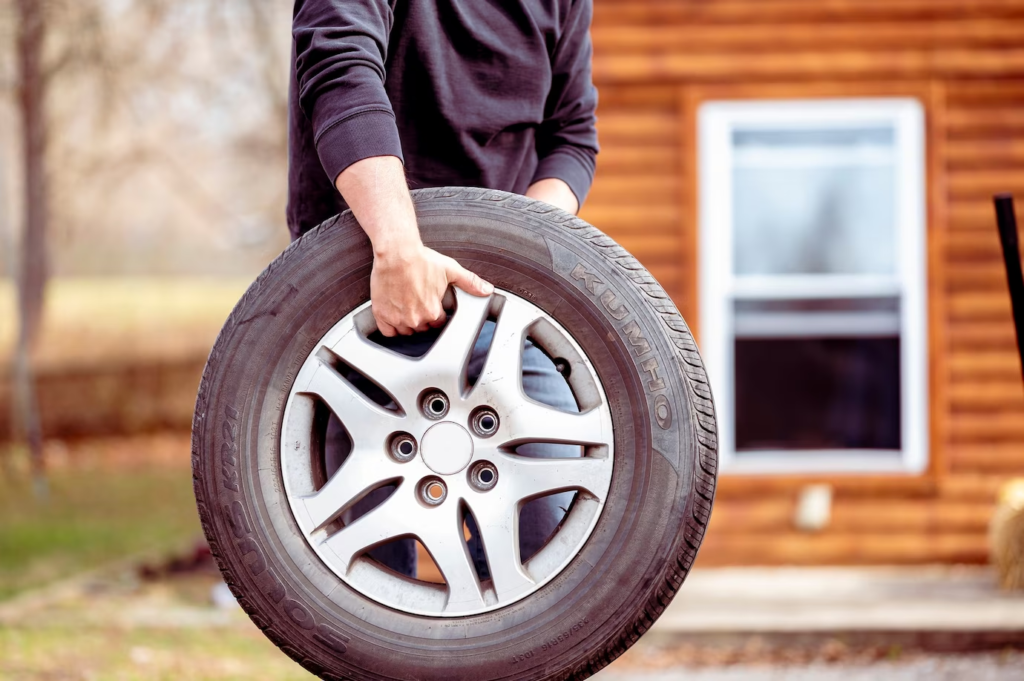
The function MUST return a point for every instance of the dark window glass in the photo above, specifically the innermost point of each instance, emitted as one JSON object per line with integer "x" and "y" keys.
{"x": 817, "y": 393}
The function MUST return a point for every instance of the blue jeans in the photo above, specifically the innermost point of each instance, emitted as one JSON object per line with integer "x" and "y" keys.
{"x": 539, "y": 517}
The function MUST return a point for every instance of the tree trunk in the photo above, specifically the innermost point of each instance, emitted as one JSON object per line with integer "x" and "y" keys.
{"x": 33, "y": 271}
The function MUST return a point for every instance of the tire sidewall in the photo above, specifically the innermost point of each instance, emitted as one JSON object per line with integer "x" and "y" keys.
{"x": 301, "y": 603}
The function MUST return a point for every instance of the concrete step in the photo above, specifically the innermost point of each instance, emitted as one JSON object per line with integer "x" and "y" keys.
{"x": 927, "y": 607}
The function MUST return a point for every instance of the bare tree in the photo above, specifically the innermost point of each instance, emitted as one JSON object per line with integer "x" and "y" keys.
{"x": 35, "y": 76}
{"x": 113, "y": 91}
{"x": 32, "y": 275}
{"x": 32, "y": 107}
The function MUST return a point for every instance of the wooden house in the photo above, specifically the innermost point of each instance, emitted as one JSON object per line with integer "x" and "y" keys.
{"x": 811, "y": 180}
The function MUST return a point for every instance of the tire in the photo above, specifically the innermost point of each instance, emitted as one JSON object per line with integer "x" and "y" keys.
{"x": 641, "y": 543}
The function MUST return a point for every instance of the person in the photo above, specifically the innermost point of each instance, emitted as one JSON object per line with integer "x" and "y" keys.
{"x": 391, "y": 94}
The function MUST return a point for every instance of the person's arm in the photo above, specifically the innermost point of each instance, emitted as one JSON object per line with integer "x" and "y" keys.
{"x": 567, "y": 140}
{"x": 556, "y": 192}
{"x": 340, "y": 50}
{"x": 408, "y": 279}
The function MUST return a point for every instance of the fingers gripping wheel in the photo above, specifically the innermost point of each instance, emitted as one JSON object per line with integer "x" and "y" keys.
{"x": 552, "y": 452}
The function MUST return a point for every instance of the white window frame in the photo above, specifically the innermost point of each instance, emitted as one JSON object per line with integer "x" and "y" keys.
{"x": 719, "y": 288}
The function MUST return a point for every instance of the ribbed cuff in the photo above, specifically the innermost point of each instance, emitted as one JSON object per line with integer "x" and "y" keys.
{"x": 371, "y": 133}
{"x": 574, "y": 167}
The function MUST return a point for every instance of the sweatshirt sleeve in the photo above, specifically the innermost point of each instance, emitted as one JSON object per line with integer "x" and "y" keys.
{"x": 567, "y": 140}
{"x": 340, "y": 51}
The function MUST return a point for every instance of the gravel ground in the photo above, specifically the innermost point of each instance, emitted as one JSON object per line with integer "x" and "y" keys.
{"x": 1000, "y": 666}
{"x": 118, "y": 627}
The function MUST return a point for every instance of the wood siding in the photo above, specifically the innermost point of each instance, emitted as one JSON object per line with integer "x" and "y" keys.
{"x": 655, "y": 62}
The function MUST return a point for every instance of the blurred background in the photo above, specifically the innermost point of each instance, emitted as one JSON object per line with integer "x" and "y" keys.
{"x": 810, "y": 181}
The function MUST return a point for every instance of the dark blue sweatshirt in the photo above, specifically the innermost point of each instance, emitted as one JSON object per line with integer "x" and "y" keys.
{"x": 485, "y": 93}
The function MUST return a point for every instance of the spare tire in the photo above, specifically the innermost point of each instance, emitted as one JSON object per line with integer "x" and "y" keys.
{"x": 292, "y": 357}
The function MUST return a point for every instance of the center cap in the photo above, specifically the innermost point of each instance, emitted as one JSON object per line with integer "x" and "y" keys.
{"x": 446, "y": 448}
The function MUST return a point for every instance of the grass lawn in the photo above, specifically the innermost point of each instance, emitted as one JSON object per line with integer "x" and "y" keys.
{"x": 93, "y": 516}
{"x": 143, "y": 653}
{"x": 112, "y": 501}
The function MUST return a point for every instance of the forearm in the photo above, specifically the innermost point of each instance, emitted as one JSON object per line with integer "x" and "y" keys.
{"x": 408, "y": 279}
{"x": 376, "y": 191}
{"x": 556, "y": 192}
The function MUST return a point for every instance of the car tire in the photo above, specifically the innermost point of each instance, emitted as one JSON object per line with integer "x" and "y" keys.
{"x": 654, "y": 510}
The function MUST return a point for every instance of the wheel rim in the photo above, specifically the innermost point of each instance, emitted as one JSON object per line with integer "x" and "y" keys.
{"x": 446, "y": 458}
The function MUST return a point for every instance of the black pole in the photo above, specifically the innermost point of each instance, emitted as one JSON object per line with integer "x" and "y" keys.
{"x": 1007, "y": 222}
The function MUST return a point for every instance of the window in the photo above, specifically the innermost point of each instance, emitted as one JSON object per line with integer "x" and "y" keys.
{"x": 812, "y": 283}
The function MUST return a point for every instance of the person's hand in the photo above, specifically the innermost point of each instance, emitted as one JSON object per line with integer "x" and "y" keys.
{"x": 408, "y": 279}
{"x": 407, "y": 285}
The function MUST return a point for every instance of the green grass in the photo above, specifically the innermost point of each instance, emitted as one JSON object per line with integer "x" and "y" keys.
{"x": 101, "y": 515}
{"x": 114, "y": 653}
{"x": 92, "y": 517}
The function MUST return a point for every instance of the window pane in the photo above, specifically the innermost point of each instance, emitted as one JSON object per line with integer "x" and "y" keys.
{"x": 814, "y": 201}
{"x": 817, "y": 393}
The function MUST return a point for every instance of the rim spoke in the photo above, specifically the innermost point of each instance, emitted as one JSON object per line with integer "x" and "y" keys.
{"x": 441, "y": 534}
{"x": 390, "y": 370}
{"x": 362, "y": 418}
{"x": 503, "y": 367}
{"x": 383, "y": 523}
{"x": 450, "y": 352}
{"x": 536, "y": 422}
{"x": 536, "y": 477}
{"x": 364, "y": 470}
{"x": 499, "y": 531}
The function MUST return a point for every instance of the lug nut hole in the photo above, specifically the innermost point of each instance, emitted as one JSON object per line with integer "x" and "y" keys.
{"x": 484, "y": 421}
{"x": 434, "y": 404}
{"x": 432, "y": 491}
{"x": 402, "y": 447}
{"x": 483, "y": 476}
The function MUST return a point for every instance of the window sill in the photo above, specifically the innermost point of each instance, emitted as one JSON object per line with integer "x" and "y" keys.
{"x": 819, "y": 462}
